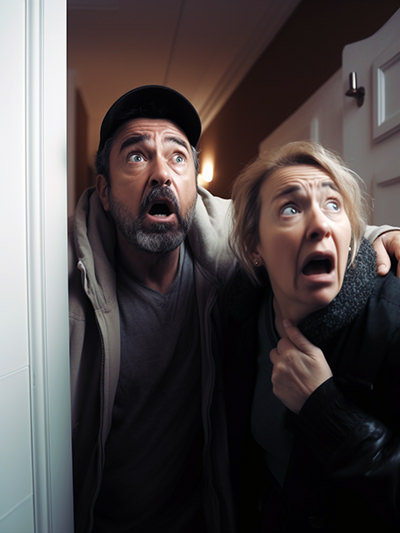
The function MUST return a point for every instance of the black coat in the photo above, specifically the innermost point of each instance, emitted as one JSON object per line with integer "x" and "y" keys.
{"x": 344, "y": 470}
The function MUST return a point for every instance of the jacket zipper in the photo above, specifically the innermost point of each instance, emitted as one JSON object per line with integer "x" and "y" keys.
{"x": 209, "y": 480}
{"x": 82, "y": 268}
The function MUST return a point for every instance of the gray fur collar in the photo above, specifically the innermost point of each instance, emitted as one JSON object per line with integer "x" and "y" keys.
{"x": 357, "y": 287}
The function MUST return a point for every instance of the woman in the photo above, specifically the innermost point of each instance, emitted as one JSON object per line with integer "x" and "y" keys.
{"x": 326, "y": 403}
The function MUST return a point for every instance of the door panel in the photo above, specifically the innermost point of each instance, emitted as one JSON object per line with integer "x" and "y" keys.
{"x": 371, "y": 132}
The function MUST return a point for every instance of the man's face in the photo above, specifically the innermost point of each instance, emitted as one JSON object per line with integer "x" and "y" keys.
{"x": 152, "y": 192}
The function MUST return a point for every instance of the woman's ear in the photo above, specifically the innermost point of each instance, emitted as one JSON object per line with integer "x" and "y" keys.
{"x": 102, "y": 189}
{"x": 256, "y": 259}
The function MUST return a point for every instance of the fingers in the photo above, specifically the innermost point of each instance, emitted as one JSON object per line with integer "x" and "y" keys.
{"x": 297, "y": 338}
{"x": 299, "y": 368}
{"x": 294, "y": 342}
{"x": 382, "y": 257}
{"x": 391, "y": 241}
{"x": 273, "y": 355}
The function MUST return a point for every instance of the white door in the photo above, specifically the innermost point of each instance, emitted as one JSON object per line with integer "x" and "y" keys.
{"x": 371, "y": 132}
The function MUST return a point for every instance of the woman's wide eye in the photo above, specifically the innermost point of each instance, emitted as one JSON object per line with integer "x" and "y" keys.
{"x": 289, "y": 210}
{"x": 332, "y": 205}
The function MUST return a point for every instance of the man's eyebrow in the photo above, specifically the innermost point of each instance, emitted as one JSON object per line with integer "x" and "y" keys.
{"x": 179, "y": 141}
{"x": 135, "y": 139}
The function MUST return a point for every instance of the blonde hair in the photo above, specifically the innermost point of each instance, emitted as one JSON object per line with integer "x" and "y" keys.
{"x": 246, "y": 203}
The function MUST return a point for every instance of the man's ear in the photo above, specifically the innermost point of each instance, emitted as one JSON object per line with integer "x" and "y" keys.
{"x": 102, "y": 190}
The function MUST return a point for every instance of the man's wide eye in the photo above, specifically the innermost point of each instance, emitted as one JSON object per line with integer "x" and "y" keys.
{"x": 179, "y": 158}
{"x": 136, "y": 158}
{"x": 289, "y": 210}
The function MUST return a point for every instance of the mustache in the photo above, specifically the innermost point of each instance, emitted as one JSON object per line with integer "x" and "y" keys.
{"x": 159, "y": 194}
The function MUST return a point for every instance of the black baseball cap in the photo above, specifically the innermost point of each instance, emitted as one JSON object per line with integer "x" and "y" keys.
{"x": 152, "y": 101}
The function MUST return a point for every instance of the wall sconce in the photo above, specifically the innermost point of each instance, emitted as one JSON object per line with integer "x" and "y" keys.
{"x": 354, "y": 91}
{"x": 207, "y": 174}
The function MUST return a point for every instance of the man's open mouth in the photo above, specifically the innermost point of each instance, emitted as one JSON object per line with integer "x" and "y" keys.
{"x": 160, "y": 209}
{"x": 161, "y": 206}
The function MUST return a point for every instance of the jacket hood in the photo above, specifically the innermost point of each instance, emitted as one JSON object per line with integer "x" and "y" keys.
{"x": 94, "y": 236}
{"x": 209, "y": 234}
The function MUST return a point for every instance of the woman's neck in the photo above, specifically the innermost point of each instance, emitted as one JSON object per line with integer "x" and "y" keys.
{"x": 282, "y": 313}
{"x": 278, "y": 318}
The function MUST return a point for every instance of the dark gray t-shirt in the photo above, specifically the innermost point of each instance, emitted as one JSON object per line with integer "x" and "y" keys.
{"x": 152, "y": 473}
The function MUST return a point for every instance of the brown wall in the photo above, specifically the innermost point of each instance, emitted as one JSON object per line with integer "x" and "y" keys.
{"x": 304, "y": 54}
{"x": 83, "y": 174}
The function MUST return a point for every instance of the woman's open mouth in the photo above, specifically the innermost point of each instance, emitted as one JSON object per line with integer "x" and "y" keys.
{"x": 317, "y": 266}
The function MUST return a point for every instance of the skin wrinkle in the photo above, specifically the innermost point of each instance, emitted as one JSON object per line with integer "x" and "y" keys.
{"x": 297, "y": 188}
{"x": 137, "y": 139}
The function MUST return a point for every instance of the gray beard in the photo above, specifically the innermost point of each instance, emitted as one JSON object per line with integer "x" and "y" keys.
{"x": 160, "y": 238}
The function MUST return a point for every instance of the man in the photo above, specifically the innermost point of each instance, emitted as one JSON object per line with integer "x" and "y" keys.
{"x": 148, "y": 253}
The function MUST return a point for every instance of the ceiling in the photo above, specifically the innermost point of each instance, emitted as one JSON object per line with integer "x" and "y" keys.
{"x": 202, "y": 48}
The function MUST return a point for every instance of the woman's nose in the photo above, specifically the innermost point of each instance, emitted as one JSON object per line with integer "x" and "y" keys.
{"x": 318, "y": 224}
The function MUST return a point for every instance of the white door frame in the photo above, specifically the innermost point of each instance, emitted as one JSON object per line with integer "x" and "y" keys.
{"x": 46, "y": 204}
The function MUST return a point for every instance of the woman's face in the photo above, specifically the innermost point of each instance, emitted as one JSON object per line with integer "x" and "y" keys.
{"x": 304, "y": 241}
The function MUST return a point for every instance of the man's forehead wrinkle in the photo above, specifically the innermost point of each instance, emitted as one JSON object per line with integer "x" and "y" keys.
{"x": 143, "y": 137}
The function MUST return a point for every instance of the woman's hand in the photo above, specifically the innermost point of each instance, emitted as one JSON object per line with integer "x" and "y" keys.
{"x": 299, "y": 368}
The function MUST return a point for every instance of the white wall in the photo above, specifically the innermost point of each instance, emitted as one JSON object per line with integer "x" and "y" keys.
{"x": 35, "y": 464}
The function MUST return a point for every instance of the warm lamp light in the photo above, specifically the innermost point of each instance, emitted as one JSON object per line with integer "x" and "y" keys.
{"x": 208, "y": 172}
{"x": 206, "y": 176}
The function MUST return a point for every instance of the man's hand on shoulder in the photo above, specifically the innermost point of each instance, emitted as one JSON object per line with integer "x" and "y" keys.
{"x": 387, "y": 248}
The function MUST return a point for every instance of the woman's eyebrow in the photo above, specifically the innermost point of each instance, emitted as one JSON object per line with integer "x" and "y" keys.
{"x": 290, "y": 189}
{"x": 287, "y": 190}
{"x": 331, "y": 184}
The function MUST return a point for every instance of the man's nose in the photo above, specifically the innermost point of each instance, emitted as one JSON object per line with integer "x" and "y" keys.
{"x": 160, "y": 172}
{"x": 318, "y": 224}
